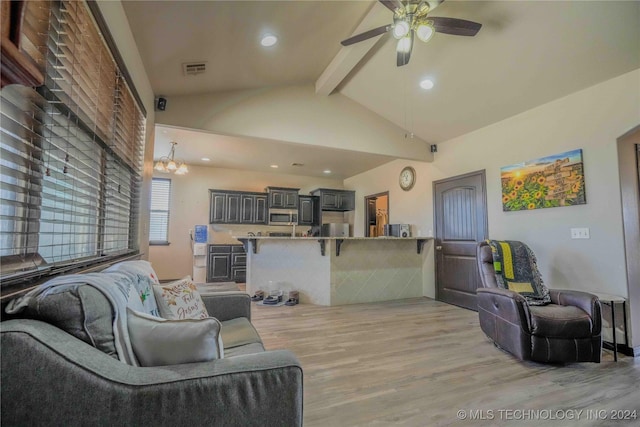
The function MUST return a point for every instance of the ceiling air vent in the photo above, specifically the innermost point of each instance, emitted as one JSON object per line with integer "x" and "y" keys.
{"x": 297, "y": 165}
{"x": 193, "y": 68}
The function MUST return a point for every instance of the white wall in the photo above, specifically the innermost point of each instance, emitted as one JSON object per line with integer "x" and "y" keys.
{"x": 190, "y": 206}
{"x": 591, "y": 119}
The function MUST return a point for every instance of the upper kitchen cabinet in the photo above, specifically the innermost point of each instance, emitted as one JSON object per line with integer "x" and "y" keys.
{"x": 336, "y": 200}
{"x": 253, "y": 209}
{"x": 217, "y": 207}
{"x": 237, "y": 207}
{"x": 307, "y": 212}
{"x": 283, "y": 198}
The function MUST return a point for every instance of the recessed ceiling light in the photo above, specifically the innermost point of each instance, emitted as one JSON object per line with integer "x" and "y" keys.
{"x": 326, "y": 171}
{"x": 274, "y": 166}
{"x": 426, "y": 84}
{"x": 268, "y": 40}
{"x": 205, "y": 159}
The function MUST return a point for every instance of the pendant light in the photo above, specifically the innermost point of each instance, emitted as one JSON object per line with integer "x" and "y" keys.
{"x": 168, "y": 164}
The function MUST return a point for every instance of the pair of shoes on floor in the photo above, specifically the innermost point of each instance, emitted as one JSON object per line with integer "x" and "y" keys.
{"x": 294, "y": 298}
{"x": 258, "y": 296}
{"x": 274, "y": 298}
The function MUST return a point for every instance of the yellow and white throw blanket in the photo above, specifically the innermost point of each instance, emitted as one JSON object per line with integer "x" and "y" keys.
{"x": 517, "y": 270}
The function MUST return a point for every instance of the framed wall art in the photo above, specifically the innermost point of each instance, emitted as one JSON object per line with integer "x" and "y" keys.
{"x": 547, "y": 182}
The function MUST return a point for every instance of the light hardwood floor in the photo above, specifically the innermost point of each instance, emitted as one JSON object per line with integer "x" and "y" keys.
{"x": 417, "y": 362}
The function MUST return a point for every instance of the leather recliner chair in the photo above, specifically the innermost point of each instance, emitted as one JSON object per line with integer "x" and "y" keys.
{"x": 565, "y": 331}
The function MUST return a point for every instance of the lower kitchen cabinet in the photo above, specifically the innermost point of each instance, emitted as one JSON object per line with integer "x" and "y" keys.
{"x": 226, "y": 263}
{"x": 238, "y": 264}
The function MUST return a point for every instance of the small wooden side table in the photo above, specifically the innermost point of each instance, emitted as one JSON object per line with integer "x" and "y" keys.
{"x": 611, "y": 301}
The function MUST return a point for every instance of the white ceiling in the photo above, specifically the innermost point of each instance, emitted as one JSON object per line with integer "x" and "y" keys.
{"x": 527, "y": 53}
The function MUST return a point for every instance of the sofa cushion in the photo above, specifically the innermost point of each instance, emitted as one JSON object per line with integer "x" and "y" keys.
{"x": 158, "y": 342}
{"x": 82, "y": 311}
{"x": 560, "y": 321}
{"x": 238, "y": 332}
{"x": 180, "y": 300}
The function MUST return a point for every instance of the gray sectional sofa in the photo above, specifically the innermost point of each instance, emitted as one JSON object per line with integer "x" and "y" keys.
{"x": 55, "y": 377}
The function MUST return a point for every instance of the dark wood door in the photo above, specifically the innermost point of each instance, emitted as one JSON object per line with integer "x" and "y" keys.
{"x": 461, "y": 222}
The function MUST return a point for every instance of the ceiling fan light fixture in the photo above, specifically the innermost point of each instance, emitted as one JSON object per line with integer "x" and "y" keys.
{"x": 425, "y": 31}
{"x": 268, "y": 40}
{"x": 400, "y": 28}
{"x": 404, "y": 45}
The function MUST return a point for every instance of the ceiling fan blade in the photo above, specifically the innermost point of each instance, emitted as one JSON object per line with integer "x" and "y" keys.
{"x": 366, "y": 35}
{"x": 457, "y": 27}
{"x": 404, "y": 54}
{"x": 403, "y": 58}
{"x": 392, "y": 5}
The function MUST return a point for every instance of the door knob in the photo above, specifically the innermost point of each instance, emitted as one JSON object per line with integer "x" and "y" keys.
{"x": 438, "y": 248}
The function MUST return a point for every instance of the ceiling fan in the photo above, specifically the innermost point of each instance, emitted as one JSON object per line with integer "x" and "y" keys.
{"x": 410, "y": 19}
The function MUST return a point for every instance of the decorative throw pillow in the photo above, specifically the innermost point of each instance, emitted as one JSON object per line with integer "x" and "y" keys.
{"x": 158, "y": 342}
{"x": 144, "y": 277}
{"x": 180, "y": 300}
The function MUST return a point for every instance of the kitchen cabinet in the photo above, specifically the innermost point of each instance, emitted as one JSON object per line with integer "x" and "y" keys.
{"x": 238, "y": 264}
{"x": 229, "y": 207}
{"x": 283, "y": 198}
{"x": 226, "y": 263}
{"x": 307, "y": 212}
{"x": 260, "y": 209}
{"x": 219, "y": 263}
{"x": 218, "y": 207}
{"x": 233, "y": 209}
{"x": 253, "y": 209}
{"x": 336, "y": 200}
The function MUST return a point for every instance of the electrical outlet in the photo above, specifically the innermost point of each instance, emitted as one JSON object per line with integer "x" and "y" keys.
{"x": 580, "y": 233}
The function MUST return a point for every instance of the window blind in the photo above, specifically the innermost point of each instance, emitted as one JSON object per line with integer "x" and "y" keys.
{"x": 70, "y": 151}
{"x": 159, "y": 218}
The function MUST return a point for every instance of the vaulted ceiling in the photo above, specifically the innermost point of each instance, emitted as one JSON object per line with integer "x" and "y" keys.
{"x": 527, "y": 53}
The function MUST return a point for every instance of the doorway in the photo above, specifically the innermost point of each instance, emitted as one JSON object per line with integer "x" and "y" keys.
{"x": 460, "y": 211}
{"x": 629, "y": 169}
{"x": 376, "y": 208}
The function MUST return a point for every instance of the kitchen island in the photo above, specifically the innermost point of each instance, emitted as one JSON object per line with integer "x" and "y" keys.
{"x": 337, "y": 270}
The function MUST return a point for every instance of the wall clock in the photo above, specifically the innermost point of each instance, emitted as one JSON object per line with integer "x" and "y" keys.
{"x": 407, "y": 178}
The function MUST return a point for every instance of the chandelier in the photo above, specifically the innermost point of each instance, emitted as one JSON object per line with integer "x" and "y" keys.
{"x": 168, "y": 164}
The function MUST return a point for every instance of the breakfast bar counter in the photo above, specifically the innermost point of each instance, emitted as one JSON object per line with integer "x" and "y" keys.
{"x": 336, "y": 270}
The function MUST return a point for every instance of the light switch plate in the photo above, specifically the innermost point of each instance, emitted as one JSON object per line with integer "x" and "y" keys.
{"x": 580, "y": 233}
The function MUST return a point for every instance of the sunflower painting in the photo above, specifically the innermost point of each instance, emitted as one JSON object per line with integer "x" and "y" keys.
{"x": 547, "y": 182}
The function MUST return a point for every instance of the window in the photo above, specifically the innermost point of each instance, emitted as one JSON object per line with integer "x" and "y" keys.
{"x": 70, "y": 151}
{"x": 159, "y": 219}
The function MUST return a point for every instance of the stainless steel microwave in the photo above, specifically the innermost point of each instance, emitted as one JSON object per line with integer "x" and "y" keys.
{"x": 397, "y": 230}
{"x": 283, "y": 217}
